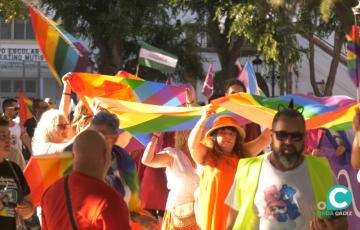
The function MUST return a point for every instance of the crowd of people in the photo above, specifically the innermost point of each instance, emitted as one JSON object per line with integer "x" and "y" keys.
{"x": 227, "y": 176}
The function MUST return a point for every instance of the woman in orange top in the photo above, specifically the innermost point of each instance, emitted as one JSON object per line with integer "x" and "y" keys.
{"x": 219, "y": 154}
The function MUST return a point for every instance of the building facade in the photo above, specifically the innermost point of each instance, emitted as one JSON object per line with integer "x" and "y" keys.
{"x": 22, "y": 67}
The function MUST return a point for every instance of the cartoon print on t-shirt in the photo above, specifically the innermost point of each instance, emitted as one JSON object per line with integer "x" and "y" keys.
{"x": 279, "y": 204}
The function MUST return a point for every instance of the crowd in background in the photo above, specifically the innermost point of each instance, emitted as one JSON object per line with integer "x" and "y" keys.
{"x": 226, "y": 177}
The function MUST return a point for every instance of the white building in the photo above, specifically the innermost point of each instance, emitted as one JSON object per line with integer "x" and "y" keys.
{"x": 22, "y": 66}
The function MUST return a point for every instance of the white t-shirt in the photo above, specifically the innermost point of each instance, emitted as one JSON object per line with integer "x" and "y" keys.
{"x": 283, "y": 200}
{"x": 182, "y": 179}
{"x": 15, "y": 132}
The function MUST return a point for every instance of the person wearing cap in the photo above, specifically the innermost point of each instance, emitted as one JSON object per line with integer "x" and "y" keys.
{"x": 218, "y": 153}
{"x": 283, "y": 189}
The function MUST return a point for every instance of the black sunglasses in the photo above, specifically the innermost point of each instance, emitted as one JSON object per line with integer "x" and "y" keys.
{"x": 15, "y": 108}
{"x": 294, "y": 136}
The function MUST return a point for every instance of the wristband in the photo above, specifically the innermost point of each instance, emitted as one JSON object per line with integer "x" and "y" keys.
{"x": 67, "y": 94}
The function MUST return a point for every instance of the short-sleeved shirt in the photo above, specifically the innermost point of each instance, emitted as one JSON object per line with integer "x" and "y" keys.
{"x": 283, "y": 200}
{"x": 10, "y": 193}
{"x": 95, "y": 205}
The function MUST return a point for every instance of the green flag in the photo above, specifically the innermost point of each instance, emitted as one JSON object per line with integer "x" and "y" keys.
{"x": 156, "y": 58}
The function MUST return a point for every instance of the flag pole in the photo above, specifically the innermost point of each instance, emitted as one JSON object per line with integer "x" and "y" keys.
{"x": 137, "y": 70}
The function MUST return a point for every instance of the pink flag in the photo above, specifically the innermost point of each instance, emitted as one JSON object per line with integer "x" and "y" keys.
{"x": 208, "y": 87}
{"x": 239, "y": 70}
{"x": 248, "y": 77}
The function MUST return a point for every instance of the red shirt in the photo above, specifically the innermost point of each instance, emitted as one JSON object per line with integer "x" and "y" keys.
{"x": 95, "y": 205}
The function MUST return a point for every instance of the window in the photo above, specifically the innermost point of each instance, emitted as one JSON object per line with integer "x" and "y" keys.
{"x": 5, "y": 86}
{"x": 5, "y": 29}
{"x": 18, "y": 85}
{"x": 30, "y": 86}
{"x": 29, "y": 31}
{"x": 19, "y": 30}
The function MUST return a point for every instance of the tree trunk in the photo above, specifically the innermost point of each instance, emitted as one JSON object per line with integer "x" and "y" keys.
{"x": 227, "y": 52}
{"x": 338, "y": 41}
{"x": 110, "y": 59}
{"x": 312, "y": 65}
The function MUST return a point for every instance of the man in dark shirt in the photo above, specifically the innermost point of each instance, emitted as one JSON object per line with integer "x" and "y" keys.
{"x": 14, "y": 191}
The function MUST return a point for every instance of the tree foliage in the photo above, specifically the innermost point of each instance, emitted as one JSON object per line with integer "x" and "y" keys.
{"x": 115, "y": 27}
{"x": 13, "y": 9}
{"x": 272, "y": 27}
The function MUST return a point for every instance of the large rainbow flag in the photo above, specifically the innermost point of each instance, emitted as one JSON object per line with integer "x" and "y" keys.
{"x": 62, "y": 52}
{"x": 25, "y": 107}
{"x": 87, "y": 86}
{"x": 334, "y": 112}
{"x": 42, "y": 171}
{"x": 353, "y": 54}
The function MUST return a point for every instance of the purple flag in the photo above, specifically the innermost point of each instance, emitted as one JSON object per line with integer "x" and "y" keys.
{"x": 345, "y": 174}
{"x": 208, "y": 87}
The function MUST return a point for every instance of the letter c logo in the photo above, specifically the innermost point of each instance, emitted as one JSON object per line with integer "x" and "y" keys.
{"x": 339, "y": 198}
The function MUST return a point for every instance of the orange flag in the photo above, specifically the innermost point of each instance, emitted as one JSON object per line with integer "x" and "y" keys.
{"x": 25, "y": 106}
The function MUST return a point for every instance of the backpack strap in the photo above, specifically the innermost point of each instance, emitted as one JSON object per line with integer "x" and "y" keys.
{"x": 68, "y": 203}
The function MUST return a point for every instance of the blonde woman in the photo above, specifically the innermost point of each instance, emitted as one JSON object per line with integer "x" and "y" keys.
{"x": 182, "y": 179}
{"x": 52, "y": 134}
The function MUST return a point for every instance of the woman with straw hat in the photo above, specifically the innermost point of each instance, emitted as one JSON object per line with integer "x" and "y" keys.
{"x": 218, "y": 152}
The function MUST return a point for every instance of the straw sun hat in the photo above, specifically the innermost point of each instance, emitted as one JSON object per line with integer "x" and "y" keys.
{"x": 225, "y": 121}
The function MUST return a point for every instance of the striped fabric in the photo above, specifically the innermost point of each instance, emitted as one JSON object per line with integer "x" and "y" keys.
{"x": 353, "y": 53}
{"x": 334, "y": 112}
{"x": 62, "y": 52}
{"x": 25, "y": 107}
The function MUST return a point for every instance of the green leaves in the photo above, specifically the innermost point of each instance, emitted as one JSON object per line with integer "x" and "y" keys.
{"x": 13, "y": 9}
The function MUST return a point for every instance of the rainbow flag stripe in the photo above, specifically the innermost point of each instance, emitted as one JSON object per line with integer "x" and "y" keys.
{"x": 353, "y": 54}
{"x": 25, "y": 107}
{"x": 62, "y": 52}
{"x": 88, "y": 86}
{"x": 334, "y": 112}
{"x": 42, "y": 171}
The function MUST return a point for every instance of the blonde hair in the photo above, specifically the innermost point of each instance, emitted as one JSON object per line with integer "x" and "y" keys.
{"x": 82, "y": 117}
{"x": 181, "y": 138}
{"x": 46, "y": 126}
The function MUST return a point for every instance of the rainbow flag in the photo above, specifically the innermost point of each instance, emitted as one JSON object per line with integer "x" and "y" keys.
{"x": 25, "y": 107}
{"x": 87, "y": 86}
{"x": 334, "y": 112}
{"x": 42, "y": 171}
{"x": 353, "y": 54}
{"x": 62, "y": 52}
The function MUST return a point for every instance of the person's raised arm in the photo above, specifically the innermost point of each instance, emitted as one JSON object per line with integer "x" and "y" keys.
{"x": 65, "y": 97}
{"x": 198, "y": 150}
{"x": 254, "y": 147}
{"x": 355, "y": 154}
{"x": 149, "y": 158}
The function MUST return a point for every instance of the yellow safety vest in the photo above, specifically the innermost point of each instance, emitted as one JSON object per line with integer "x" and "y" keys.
{"x": 247, "y": 176}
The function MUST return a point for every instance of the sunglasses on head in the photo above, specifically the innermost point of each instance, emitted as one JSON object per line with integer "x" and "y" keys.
{"x": 63, "y": 126}
{"x": 294, "y": 136}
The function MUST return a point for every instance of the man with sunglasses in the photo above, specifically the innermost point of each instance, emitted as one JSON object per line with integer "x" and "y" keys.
{"x": 19, "y": 135}
{"x": 282, "y": 189}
